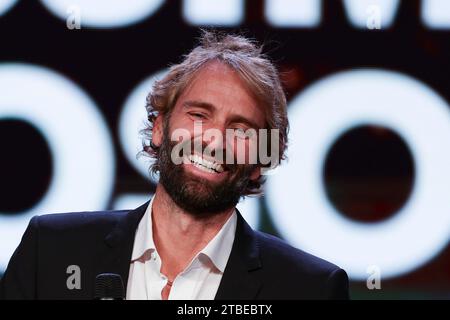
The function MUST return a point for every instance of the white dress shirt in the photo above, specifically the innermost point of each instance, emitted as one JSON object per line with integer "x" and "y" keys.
{"x": 200, "y": 279}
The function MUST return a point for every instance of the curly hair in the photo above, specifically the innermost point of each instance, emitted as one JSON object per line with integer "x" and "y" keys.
{"x": 245, "y": 57}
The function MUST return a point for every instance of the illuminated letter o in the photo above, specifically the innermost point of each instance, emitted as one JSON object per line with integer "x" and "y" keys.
{"x": 296, "y": 196}
{"x": 78, "y": 139}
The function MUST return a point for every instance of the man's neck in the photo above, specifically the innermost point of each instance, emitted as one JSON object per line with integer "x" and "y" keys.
{"x": 178, "y": 235}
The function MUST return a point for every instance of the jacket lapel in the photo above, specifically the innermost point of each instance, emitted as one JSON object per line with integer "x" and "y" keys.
{"x": 114, "y": 254}
{"x": 240, "y": 281}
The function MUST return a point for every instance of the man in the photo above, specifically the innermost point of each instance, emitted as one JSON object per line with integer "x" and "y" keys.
{"x": 189, "y": 241}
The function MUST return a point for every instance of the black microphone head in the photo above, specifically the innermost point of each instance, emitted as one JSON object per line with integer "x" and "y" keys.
{"x": 109, "y": 286}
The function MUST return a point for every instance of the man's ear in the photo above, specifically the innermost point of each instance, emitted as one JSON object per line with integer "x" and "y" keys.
{"x": 157, "y": 131}
{"x": 256, "y": 173}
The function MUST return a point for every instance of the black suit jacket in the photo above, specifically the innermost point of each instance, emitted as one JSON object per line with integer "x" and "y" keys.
{"x": 260, "y": 266}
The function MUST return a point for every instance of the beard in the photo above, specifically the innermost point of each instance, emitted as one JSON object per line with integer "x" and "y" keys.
{"x": 200, "y": 197}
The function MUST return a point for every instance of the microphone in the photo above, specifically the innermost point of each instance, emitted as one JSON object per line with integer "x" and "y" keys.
{"x": 109, "y": 286}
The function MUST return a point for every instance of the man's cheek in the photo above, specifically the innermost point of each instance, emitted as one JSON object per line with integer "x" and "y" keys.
{"x": 245, "y": 152}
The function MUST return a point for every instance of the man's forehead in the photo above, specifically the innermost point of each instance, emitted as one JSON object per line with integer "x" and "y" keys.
{"x": 217, "y": 73}
{"x": 216, "y": 76}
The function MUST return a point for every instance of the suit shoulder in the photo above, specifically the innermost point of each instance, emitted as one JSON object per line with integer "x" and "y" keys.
{"x": 77, "y": 220}
{"x": 291, "y": 273}
{"x": 280, "y": 253}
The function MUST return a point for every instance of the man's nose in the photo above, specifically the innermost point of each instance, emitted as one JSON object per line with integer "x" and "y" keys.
{"x": 215, "y": 138}
{"x": 214, "y": 134}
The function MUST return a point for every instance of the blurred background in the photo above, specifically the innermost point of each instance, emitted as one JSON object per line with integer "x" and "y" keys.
{"x": 367, "y": 180}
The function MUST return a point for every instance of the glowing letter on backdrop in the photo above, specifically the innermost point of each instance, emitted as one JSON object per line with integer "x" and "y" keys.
{"x": 293, "y": 13}
{"x": 105, "y": 13}
{"x": 436, "y": 14}
{"x": 307, "y": 13}
{"x": 5, "y": 5}
{"x": 78, "y": 138}
{"x": 296, "y": 196}
{"x": 363, "y": 13}
{"x": 213, "y": 12}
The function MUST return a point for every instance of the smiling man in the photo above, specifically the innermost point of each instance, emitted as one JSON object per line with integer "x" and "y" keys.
{"x": 188, "y": 241}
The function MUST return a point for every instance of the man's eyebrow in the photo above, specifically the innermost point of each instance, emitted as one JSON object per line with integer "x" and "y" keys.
{"x": 199, "y": 104}
{"x": 248, "y": 122}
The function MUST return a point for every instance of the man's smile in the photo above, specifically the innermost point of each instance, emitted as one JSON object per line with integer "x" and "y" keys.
{"x": 205, "y": 164}
{"x": 204, "y": 168}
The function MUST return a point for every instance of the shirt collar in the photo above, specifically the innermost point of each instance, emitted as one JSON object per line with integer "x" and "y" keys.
{"x": 217, "y": 250}
{"x": 143, "y": 240}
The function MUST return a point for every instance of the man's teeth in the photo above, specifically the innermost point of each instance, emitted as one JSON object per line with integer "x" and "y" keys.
{"x": 205, "y": 165}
